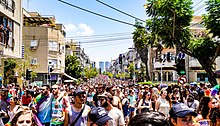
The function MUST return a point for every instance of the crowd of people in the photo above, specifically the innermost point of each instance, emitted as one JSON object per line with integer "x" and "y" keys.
{"x": 110, "y": 103}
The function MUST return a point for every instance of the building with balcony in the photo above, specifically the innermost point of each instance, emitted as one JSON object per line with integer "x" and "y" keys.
{"x": 44, "y": 42}
{"x": 74, "y": 48}
{"x": 10, "y": 31}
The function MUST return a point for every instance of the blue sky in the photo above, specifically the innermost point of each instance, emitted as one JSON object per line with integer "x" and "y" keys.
{"x": 80, "y": 23}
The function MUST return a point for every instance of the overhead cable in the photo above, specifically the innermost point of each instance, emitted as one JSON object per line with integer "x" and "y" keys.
{"x": 113, "y": 19}
{"x": 120, "y": 11}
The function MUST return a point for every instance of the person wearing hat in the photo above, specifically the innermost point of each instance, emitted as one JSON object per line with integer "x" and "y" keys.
{"x": 100, "y": 90}
{"x": 182, "y": 115}
{"x": 78, "y": 112}
{"x": 98, "y": 117}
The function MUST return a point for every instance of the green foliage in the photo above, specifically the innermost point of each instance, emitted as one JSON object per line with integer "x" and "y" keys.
{"x": 131, "y": 70}
{"x": 90, "y": 72}
{"x": 147, "y": 83}
{"x": 203, "y": 48}
{"x": 212, "y": 18}
{"x": 169, "y": 19}
{"x": 9, "y": 69}
{"x": 72, "y": 66}
{"x": 109, "y": 74}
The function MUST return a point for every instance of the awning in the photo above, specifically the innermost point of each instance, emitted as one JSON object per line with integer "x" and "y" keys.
{"x": 72, "y": 78}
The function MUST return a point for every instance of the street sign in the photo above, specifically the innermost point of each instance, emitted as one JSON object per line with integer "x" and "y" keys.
{"x": 182, "y": 80}
{"x": 181, "y": 55}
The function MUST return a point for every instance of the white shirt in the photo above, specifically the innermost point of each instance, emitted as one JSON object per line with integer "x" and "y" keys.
{"x": 117, "y": 117}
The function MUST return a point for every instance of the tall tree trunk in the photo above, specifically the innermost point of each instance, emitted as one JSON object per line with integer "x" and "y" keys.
{"x": 144, "y": 58}
{"x": 208, "y": 68}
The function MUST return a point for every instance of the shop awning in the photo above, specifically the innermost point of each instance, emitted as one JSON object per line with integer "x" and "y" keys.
{"x": 72, "y": 78}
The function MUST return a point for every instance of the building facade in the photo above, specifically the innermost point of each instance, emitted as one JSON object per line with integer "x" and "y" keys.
{"x": 10, "y": 31}
{"x": 44, "y": 42}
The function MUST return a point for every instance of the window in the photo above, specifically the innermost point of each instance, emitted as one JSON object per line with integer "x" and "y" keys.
{"x": 34, "y": 43}
{"x": 53, "y": 46}
{"x": 53, "y": 62}
{"x": 34, "y": 61}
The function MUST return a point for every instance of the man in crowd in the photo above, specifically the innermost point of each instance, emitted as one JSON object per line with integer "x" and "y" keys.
{"x": 43, "y": 105}
{"x": 78, "y": 112}
{"x": 149, "y": 119}
{"x": 182, "y": 115}
{"x": 99, "y": 117}
{"x": 106, "y": 100}
{"x": 100, "y": 90}
{"x": 59, "y": 106}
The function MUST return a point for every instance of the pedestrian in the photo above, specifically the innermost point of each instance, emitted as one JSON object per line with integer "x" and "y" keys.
{"x": 43, "y": 105}
{"x": 149, "y": 119}
{"x": 106, "y": 100}
{"x": 98, "y": 117}
{"x": 182, "y": 115}
{"x": 58, "y": 108}
{"x": 78, "y": 112}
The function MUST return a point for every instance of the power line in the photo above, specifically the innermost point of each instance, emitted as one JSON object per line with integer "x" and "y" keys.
{"x": 88, "y": 42}
{"x": 200, "y": 7}
{"x": 123, "y": 22}
{"x": 99, "y": 37}
{"x": 119, "y": 33}
{"x": 105, "y": 45}
{"x": 198, "y": 3}
{"x": 105, "y": 40}
{"x": 120, "y": 11}
{"x": 106, "y": 37}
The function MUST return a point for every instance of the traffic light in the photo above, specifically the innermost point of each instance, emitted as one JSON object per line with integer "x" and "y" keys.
{"x": 120, "y": 59}
{"x": 28, "y": 74}
{"x": 180, "y": 67}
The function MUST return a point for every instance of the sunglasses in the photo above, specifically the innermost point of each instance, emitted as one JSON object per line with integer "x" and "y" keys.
{"x": 54, "y": 88}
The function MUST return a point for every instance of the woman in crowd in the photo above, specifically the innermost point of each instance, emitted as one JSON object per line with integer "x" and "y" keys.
{"x": 144, "y": 104}
{"x": 23, "y": 117}
{"x": 14, "y": 104}
{"x": 26, "y": 98}
{"x": 162, "y": 104}
{"x": 209, "y": 111}
{"x": 89, "y": 99}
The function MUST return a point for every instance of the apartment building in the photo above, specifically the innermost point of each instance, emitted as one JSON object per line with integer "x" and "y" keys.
{"x": 10, "y": 31}
{"x": 74, "y": 48}
{"x": 45, "y": 42}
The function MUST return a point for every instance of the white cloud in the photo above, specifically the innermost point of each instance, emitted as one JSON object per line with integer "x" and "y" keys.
{"x": 85, "y": 30}
{"x": 79, "y": 30}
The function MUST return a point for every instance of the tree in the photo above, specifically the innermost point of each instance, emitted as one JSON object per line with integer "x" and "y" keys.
{"x": 90, "y": 72}
{"x": 72, "y": 66}
{"x": 131, "y": 70}
{"x": 9, "y": 70}
{"x": 170, "y": 22}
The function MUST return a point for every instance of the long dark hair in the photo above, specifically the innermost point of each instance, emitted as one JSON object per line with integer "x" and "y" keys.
{"x": 144, "y": 95}
{"x": 203, "y": 106}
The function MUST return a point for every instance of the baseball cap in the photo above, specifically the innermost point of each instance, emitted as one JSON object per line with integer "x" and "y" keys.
{"x": 79, "y": 91}
{"x": 182, "y": 110}
{"x": 99, "y": 116}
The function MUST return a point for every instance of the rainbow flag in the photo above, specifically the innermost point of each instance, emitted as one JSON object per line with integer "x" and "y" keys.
{"x": 39, "y": 100}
